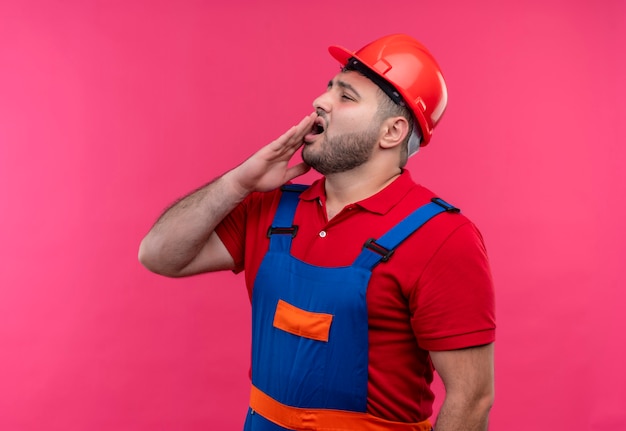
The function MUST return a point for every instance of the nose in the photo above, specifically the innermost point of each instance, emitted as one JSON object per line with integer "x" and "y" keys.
{"x": 323, "y": 102}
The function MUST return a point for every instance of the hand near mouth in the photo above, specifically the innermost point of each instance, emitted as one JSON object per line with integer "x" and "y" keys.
{"x": 269, "y": 168}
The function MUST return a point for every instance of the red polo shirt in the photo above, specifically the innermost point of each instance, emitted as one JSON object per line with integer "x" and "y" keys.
{"x": 435, "y": 293}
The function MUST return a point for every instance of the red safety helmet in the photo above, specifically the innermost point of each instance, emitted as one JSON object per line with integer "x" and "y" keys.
{"x": 411, "y": 69}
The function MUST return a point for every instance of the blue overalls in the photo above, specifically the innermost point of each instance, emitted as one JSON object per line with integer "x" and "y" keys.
{"x": 310, "y": 332}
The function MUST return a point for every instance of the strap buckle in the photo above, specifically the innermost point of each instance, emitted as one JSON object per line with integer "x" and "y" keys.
{"x": 371, "y": 244}
{"x": 292, "y": 230}
{"x": 445, "y": 205}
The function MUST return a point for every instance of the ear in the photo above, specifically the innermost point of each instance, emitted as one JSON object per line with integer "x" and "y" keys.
{"x": 394, "y": 130}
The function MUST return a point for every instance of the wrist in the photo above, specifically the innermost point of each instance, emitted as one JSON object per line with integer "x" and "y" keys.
{"x": 235, "y": 186}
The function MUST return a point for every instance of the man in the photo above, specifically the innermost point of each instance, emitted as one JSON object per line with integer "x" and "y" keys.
{"x": 362, "y": 284}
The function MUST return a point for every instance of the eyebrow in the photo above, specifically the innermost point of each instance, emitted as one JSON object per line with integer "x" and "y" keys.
{"x": 344, "y": 85}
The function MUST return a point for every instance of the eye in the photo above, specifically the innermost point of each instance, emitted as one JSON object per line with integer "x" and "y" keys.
{"x": 347, "y": 97}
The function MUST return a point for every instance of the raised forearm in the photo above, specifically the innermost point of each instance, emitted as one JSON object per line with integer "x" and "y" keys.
{"x": 181, "y": 242}
{"x": 183, "y": 230}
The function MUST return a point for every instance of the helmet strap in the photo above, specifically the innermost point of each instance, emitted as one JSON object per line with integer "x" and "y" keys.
{"x": 386, "y": 87}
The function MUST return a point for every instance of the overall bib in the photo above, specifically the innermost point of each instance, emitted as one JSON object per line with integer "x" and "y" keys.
{"x": 310, "y": 332}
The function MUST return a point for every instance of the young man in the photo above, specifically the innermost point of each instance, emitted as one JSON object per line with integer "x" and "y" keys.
{"x": 362, "y": 284}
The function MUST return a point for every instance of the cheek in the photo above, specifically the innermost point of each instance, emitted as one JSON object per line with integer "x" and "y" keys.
{"x": 361, "y": 117}
{"x": 348, "y": 122}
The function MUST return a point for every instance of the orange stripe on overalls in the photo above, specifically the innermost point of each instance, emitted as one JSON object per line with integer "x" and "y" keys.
{"x": 300, "y": 419}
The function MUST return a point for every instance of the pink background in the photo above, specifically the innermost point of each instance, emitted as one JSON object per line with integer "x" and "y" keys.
{"x": 109, "y": 110}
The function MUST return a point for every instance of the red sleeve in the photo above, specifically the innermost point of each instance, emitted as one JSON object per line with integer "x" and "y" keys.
{"x": 243, "y": 231}
{"x": 232, "y": 232}
{"x": 455, "y": 306}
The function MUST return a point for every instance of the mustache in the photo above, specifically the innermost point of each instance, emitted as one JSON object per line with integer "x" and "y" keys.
{"x": 321, "y": 113}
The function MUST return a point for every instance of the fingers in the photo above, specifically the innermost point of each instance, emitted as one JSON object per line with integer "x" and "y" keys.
{"x": 296, "y": 171}
{"x": 293, "y": 138}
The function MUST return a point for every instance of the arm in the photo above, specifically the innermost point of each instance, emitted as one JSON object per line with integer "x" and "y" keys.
{"x": 183, "y": 242}
{"x": 468, "y": 376}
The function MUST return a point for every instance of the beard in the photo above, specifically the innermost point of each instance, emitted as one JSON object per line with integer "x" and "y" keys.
{"x": 341, "y": 153}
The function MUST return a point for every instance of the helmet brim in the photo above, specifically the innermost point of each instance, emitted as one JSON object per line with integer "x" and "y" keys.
{"x": 342, "y": 55}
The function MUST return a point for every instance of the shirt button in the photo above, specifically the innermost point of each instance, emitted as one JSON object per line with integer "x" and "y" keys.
{"x": 323, "y": 234}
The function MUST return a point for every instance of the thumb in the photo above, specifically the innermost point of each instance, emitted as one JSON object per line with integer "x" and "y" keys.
{"x": 296, "y": 171}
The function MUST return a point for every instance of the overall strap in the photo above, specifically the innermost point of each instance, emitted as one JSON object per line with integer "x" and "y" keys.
{"x": 282, "y": 230}
{"x": 380, "y": 250}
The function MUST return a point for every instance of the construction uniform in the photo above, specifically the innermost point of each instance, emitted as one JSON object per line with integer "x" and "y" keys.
{"x": 311, "y": 346}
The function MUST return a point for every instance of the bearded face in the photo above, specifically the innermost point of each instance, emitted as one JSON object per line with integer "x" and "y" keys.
{"x": 334, "y": 154}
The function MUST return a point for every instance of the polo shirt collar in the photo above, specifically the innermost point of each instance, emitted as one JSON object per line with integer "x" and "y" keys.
{"x": 379, "y": 203}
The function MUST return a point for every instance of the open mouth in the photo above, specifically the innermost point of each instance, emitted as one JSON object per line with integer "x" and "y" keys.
{"x": 317, "y": 129}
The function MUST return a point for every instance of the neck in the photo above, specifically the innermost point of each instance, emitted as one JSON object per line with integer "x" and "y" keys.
{"x": 348, "y": 187}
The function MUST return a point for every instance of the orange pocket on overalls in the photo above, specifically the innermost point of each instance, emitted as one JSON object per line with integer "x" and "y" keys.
{"x": 297, "y": 321}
